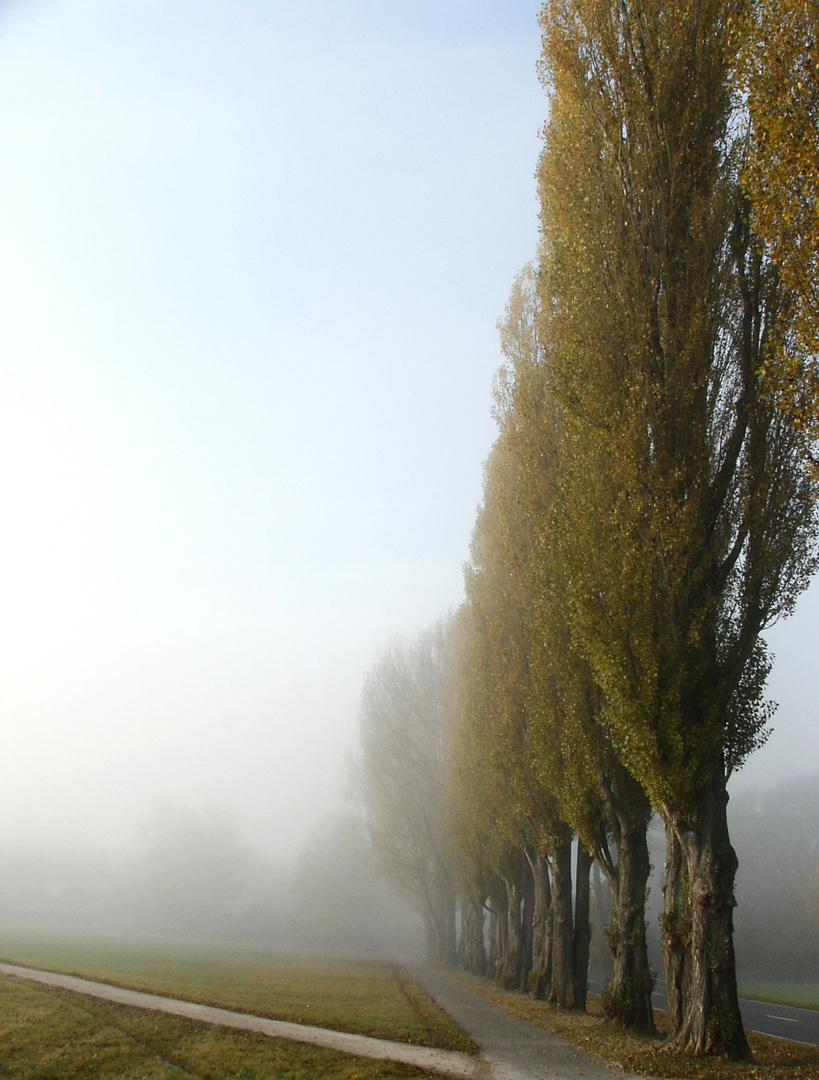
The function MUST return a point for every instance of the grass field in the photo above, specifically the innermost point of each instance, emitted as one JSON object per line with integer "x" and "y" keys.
{"x": 49, "y": 1034}
{"x": 366, "y": 998}
{"x": 802, "y": 995}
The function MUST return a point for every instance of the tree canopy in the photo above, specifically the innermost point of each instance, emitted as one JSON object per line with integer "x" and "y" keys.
{"x": 777, "y": 71}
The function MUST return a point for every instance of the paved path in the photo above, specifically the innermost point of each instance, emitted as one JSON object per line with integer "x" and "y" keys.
{"x": 445, "y": 1062}
{"x": 516, "y": 1049}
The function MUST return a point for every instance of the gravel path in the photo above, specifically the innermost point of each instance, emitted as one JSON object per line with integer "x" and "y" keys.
{"x": 515, "y": 1049}
{"x": 445, "y": 1062}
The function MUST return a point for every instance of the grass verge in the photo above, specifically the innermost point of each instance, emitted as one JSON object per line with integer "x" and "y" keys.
{"x": 774, "y": 1059}
{"x": 802, "y": 995}
{"x": 363, "y": 997}
{"x": 50, "y": 1034}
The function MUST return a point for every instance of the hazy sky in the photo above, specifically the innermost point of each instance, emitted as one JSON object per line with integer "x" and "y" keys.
{"x": 252, "y": 253}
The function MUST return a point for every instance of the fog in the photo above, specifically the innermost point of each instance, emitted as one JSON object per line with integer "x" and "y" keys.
{"x": 192, "y": 880}
{"x": 251, "y": 260}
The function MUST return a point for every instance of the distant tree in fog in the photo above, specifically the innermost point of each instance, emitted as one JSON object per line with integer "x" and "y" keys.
{"x": 194, "y": 869}
{"x": 339, "y": 903}
{"x": 405, "y": 708}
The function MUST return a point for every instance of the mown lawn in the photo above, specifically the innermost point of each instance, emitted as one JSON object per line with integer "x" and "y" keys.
{"x": 363, "y": 997}
{"x": 774, "y": 1059}
{"x": 802, "y": 995}
{"x": 50, "y": 1034}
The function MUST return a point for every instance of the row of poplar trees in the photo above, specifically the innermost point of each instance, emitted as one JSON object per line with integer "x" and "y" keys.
{"x": 647, "y": 514}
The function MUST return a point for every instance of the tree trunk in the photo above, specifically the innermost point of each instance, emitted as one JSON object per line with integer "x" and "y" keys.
{"x": 601, "y": 917}
{"x": 432, "y": 931}
{"x": 676, "y": 929}
{"x": 528, "y": 927}
{"x": 462, "y": 954}
{"x": 449, "y": 925}
{"x": 627, "y": 998}
{"x": 582, "y": 926}
{"x": 513, "y": 965}
{"x": 541, "y": 924}
{"x": 440, "y": 923}
{"x": 497, "y": 935}
{"x": 709, "y": 1020}
{"x": 476, "y": 954}
{"x": 471, "y": 948}
{"x": 562, "y": 989}
{"x": 627, "y": 995}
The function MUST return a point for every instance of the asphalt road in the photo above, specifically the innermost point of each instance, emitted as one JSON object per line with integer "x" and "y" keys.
{"x": 781, "y": 1021}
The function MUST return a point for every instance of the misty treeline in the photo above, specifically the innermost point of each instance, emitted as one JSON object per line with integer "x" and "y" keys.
{"x": 647, "y": 515}
{"x": 191, "y": 878}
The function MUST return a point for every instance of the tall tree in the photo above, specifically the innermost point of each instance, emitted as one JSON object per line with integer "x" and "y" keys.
{"x": 690, "y": 518}
{"x": 405, "y": 709}
{"x": 572, "y": 758}
{"x": 495, "y": 685}
{"x": 777, "y": 70}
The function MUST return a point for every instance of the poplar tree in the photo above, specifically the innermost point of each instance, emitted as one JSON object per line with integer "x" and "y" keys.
{"x": 571, "y": 757}
{"x": 497, "y": 778}
{"x": 518, "y": 805}
{"x": 405, "y": 710}
{"x": 777, "y": 71}
{"x": 689, "y": 522}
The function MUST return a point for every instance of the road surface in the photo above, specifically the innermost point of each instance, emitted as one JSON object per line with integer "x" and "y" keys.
{"x": 780, "y": 1021}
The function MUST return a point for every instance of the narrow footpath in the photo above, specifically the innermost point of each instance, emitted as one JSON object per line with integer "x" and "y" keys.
{"x": 514, "y": 1048}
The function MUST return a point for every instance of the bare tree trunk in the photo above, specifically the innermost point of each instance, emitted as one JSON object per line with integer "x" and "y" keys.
{"x": 709, "y": 1020}
{"x": 601, "y": 913}
{"x": 627, "y": 996}
{"x": 492, "y": 959}
{"x": 562, "y": 989}
{"x": 430, "y": 936}
{"x": 449, "y": 925}
{"x": 471, "y": 948}
{"x": 582, "y": 927}
{"x": 676, "y": 929}
{"x": 514, "y": 936}
{"x": 476, "y": 950}
{"x": 527, "y": 924}
{"x": 498, "y": 935}
{"x": 541, "y": 923}
{"x": 462, "y": 953}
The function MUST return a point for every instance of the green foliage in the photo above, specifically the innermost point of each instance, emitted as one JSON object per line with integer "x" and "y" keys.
{"x": 689, "y": 525}
{"x": 777, "y": 72}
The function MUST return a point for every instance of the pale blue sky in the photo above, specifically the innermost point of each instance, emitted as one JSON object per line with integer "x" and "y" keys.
{"x": 251, "y": 259}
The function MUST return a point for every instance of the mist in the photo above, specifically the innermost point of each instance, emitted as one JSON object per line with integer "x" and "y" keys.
{"x": 252, "y": 260}
{"x": 247, "y": 344}
{"x": 191, "y": 879}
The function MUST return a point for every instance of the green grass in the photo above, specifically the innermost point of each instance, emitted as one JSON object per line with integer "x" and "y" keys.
{"x": 802, "y": 995}
{"x": 362, "y": 997}
{"x": 49, "y": 1034}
